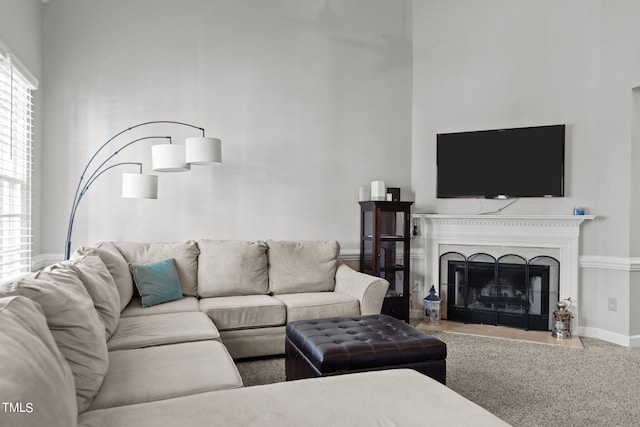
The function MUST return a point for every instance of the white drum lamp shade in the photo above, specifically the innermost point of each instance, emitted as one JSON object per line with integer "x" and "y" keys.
{"x": 168, "y": 158}
{"x": 139, "y": 186}
{"x": 203, "y": 150}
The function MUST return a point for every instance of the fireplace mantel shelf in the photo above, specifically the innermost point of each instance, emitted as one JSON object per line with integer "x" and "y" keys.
{"x": 506, "y": 219}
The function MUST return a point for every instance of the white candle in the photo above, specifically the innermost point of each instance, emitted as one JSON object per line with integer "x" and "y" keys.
{"x": 378, "y": 190}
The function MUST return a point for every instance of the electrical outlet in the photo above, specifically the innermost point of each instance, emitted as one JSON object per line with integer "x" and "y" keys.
{"x": 613, "y": 304}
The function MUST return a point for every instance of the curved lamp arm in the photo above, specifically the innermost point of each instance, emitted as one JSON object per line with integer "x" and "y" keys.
{"x": 83, "y": 185}
{"x": 86, "y": 187}
{"x": 67, "y": 248}
{"x": 91, "y": 177}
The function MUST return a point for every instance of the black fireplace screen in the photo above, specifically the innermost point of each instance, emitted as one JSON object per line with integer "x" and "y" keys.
{"x": 509, "y": 291}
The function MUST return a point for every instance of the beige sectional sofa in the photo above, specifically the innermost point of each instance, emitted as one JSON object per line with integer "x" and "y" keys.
{"x": 249, "y": 290}
{"x": 78, "y": 347}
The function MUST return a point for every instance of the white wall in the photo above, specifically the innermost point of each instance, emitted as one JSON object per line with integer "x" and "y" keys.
{"x": 21, "y": 30}
{"x": 620, "y": 78}
{"x": 315, "y": 98}
{"x": 500, "y": 63}
{"x": 311, "y": 99}
{"x": 506, "y": 63}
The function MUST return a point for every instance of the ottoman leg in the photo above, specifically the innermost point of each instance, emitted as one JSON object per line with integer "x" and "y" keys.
{"x": 296, "y": 364}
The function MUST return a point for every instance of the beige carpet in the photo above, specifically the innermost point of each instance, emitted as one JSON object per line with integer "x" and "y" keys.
{"x": 526, "y": 383}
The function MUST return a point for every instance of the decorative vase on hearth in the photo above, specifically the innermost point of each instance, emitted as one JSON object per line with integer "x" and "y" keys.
{"x": 432, "y": 307}
{"x": 562, "y": 320}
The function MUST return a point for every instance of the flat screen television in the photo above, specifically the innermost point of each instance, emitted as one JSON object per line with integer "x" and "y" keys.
{"x": 501, "y": 163}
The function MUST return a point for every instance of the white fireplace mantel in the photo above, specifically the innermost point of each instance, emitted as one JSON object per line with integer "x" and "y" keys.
{"x": 554, "y": 235}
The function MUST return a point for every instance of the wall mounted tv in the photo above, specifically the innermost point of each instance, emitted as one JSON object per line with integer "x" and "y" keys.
{"x": 501, "y": 163}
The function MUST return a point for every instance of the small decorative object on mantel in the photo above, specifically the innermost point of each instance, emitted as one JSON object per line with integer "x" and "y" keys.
{"x": 432, "y": 307}
{"x": 378, "y": 190}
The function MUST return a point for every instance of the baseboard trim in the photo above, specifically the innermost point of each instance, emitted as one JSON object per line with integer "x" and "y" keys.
{"x": 415, "y": 313}
{"x": 349, "y": 255}
{"x": 612, "y": 337}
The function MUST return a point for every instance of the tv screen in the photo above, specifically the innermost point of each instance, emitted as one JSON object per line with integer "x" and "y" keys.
{"x": 500, "y": 163}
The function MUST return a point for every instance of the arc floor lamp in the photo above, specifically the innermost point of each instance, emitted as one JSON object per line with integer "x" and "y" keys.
{"x": 167, "y": 157}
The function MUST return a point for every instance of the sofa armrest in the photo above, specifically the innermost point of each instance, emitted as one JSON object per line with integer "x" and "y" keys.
{"x": 369, "y": 290}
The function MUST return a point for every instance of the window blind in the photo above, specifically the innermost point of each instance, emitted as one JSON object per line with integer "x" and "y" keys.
{"x": 16, "y": 145}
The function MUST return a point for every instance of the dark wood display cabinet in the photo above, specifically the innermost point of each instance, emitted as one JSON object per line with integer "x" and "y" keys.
{"x": 385, "y": 244}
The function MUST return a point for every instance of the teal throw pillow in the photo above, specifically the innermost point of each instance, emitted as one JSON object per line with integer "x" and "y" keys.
{"x": 157, "y": 282}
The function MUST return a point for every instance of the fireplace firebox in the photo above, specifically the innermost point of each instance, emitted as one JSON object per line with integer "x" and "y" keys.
{"x": 508, "y": 291}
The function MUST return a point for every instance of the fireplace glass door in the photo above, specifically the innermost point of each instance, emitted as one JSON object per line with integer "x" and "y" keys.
{"x": 509, "y": 291}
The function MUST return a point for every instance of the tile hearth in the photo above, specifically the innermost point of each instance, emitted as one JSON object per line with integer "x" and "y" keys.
{"x": 540, "y": 337}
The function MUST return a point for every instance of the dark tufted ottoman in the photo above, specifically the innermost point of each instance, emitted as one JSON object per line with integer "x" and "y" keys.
{"x": 342, "y": 345}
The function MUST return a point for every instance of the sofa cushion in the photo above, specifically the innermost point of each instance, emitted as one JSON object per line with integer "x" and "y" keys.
{"x": 232, "y": 267}
{"x": 135, "y": 307}
{"x": 117, "y": 266}
{"x": 157, "y": 282}
{"x": 74, "y": 324}
{"x": 302, "y": 266}
{"x": 101, "y": 287}
{"x": 249, "y": 311}
{"x": 319, "y": 305}
{"x": 166, "y": 371}
{"x": 160, "y": 329}
{"x": 355, "y": 400}
{"x": 185, "y": 256}
{"x": 33, "y": 372}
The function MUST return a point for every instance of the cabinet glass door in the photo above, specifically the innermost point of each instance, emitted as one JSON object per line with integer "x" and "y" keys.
{"x": 392, "y": 265}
